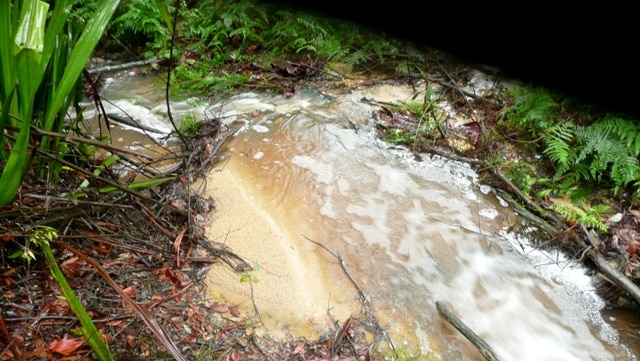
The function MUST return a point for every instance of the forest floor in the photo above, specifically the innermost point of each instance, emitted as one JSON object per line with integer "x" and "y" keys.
{"x": 151, "y": 244}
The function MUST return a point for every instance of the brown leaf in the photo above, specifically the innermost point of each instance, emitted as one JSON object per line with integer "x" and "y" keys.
{"x": 471, "y": 130}
{"x": 66, "y": 346}
{"x": 176, "y": 245}
{"x": 40, "y": 348}
{"x": 221, "y": 308}
{"x": 131, "y": 290}
{"x": 299, "y": 348}
{"x": 71, "y": 267}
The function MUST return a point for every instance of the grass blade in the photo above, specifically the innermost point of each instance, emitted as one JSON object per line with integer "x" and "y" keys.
{"x": 155, "y": 327}
{"x": 89, "y": 329}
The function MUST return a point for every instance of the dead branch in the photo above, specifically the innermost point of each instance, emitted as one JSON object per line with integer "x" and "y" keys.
{"x": 613, "y": 275}
{"x": 478, "y": 343}
{"x": 125, "y": 66}
{"x": 544, "y": 225}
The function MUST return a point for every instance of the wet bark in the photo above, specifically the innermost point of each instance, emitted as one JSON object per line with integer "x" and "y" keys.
{"x": 613, "y": 275}
{"x": 483, "y": 347}
{"x": 118, "y": 67}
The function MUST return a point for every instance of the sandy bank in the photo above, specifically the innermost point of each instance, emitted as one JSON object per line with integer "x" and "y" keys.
{"x": 293, "y": 294}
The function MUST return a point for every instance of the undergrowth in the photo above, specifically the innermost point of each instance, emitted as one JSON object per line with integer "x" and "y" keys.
{"x": 214, "y": 38}
{"x": 586, "y": 151}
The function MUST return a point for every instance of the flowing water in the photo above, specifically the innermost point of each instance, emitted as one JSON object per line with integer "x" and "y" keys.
{"x": 412, "y": 230}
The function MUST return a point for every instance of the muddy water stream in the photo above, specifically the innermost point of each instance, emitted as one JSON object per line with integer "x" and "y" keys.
{"x": 411, "y": 231}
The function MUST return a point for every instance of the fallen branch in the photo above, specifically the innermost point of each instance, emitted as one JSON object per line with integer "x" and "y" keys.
{"x": 613, "y": 275}
{"x": 541, "y": 223}
{"x": 479, "y": 343}
{"x": 112, "y": 68}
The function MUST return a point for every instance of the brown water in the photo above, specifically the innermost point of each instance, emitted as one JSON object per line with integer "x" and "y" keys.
{"x": 411, "y": 232}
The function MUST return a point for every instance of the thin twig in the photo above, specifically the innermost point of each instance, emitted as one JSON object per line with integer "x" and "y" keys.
{"x": 366, "y": 304}
{"x": 151, "y": 322}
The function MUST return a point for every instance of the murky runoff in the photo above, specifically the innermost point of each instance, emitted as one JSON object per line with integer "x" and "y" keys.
{"x": 411, "y": 230}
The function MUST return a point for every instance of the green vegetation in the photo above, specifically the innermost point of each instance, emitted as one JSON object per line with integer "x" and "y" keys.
{"x": 585, "y": 150}
{"x": 429, "y": 120}
{"x": 42, "y": 236}
{"x": 216, "y": 42}
{"x": 404, "y": 354}
{"x": 41, "y": 62}
{"x": 190, "y": 125}
{"x": 41, "y": 69}
{"x": 563, "y": 151}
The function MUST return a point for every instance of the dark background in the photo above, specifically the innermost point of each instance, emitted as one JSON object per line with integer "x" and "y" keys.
{"x": 586, "y": 51}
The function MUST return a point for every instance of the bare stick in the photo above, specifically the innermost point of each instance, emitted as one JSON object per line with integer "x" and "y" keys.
{"x": 480, "y": 344}
{"x": 112, "y": 68}
{"x": 614, "y": 275}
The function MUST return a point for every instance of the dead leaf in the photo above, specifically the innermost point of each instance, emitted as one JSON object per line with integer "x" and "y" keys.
{"x": 66, "y": 346}
{"x": 221, "y": 308}
{"x": 176, "y": 245}
{"x": 7, "y": 237}
{"x": 299, "y": 348}
{"x": 72, "y": 267}
{"x": 40, "y": 348}
{"x": 131, "y": 290}
{"x": 471, "y": 130}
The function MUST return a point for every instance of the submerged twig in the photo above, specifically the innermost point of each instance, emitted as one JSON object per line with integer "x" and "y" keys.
{"x": 366, "y": 304}
{"x": 479, "y": 343}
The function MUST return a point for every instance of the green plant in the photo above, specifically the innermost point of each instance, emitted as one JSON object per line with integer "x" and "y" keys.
{"x": 534, "y": 110}
{"x": 143, "y": 19}
{"x": 405, "y": 354}
{"x": 590, "y": 218}
{"x": 251, "y": 276}
{"x": 605, "y": 150}
{"x": 523, "y": 175}
{"x": 40, "y": 68}
{"x": 41, "y": 236}
{"x": 190, "y": 124}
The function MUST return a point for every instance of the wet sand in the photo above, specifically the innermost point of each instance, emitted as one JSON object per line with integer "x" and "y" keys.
{"x": 292, "y": 294}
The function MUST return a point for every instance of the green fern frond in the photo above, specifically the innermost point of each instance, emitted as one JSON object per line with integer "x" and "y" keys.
{"x": 559, "y": 150}
{"x": 534, "y": 109}
{"x": 311, "y": 24}
{"x": 627, "y": 130}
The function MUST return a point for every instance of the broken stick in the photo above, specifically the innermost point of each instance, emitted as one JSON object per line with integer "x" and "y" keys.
{"x": 480, "y": 344}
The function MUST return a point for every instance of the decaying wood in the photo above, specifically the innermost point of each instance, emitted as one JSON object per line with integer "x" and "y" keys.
{"x": 112, "y": 68}
{"x": 541, "y": 223}
{"x": 479, "y": 343}
{"x": 605, "y": 267}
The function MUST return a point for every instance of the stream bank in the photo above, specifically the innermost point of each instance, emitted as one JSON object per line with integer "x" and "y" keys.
{"x": 316, "y": 170}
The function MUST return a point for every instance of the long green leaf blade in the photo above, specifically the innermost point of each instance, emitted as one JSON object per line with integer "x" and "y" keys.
{"x": 28, "y": 45}
{"x": 79, "y": 57}
{"x": 89, "y": 329}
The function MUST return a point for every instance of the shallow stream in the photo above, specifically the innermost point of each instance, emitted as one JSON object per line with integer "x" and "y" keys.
{"x": 411, "y": 230}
